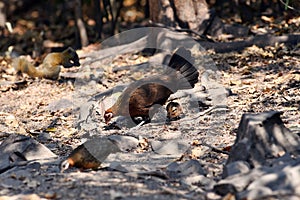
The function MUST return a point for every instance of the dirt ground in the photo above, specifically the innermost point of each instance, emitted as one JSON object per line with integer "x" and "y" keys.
{"x": 255, "y": 79}
{"x": 183, "y": 159}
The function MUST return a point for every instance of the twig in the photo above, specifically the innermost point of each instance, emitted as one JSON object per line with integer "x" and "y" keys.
{"x": 202, "y": 36}
{"x": 286, "y": 5}
{"x": 209, "y": 111}
{"x": 214, "y": 148}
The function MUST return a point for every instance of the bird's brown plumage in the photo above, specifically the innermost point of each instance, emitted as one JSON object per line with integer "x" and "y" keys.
{"x": 138, "y": 98}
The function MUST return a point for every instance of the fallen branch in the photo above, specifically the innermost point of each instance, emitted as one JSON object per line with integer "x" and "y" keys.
{"x": 259, "y": 40}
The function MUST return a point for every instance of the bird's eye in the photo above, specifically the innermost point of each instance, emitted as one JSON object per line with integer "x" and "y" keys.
{"x": 64, "y": 165}
{"x": 108, "y": 115}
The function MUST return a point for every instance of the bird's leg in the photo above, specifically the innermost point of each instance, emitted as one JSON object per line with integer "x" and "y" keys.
{"x": 112, "y": 126}
{"x": 141, "y": 120}
{"x": 140, "y": 124}
{"x": 147, "y": 119}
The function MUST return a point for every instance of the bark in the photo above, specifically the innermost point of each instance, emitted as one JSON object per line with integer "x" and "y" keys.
{"x": 80, "y": 24}
{"x": 162, "y": 12}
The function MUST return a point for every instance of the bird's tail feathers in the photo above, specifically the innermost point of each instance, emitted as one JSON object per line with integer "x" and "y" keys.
{"x": 186, "y": 73}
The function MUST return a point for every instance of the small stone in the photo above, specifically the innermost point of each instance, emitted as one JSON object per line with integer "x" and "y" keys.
{"x": 49, "y": 195}
{"x": 35, "y": 166}
{"x": 186, "y": 169}
{"x": 117, "y": 166}
{"x": 32, "y": 183}
{"x": 200, "y": 181}
{"x": 125, "y": 143}
{"x": 223, "y": 189}
{"x": 172, "y": 147}
{"x": 212, "y": 196}
{"x": 257, "y": 193}
{"x": 43, "y": 137}
{"x": 235, "y": 168}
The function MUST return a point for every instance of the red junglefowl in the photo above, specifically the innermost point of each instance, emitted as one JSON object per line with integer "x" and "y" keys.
{"x": 141, "y": 96}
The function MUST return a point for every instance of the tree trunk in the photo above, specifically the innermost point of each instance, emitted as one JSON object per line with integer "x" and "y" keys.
{"x": 187, "y": 14}
{"x": 162, "y": 12}
{"x": 80, "y": 24}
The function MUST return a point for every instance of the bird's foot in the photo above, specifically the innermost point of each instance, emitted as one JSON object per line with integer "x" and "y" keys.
{"x": 112, "y": 126}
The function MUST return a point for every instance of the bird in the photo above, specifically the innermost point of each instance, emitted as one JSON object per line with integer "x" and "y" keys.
{"x": 174, "y": 110}
{"x": 90, "y": 154}
{"x": 140, "y": 96}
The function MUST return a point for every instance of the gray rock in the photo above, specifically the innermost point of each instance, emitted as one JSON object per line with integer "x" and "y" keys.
{"x": 200, "y": 181}
{"x": 256, "y": 193}
{"x": 36, "y": 151}
{"x": 263, "y": 136}
{"x": 264, "y": 144}
{"x": 10, "y": 183}
{"x": 282, "y": 182}
{"x": 125, "y": 143}
{"x": 172, "y": 147}
{"x": 235, "y": 168}
{"x": 22, "y": 196}
{"x": 225, "y": 188}
{"x": 186, "y": 169}
{"x": 34, "y": 166}
{"x": 44, "y": 136}
{"x": 260, "y": 182}
{"x": 18, "y": 148}
{"x": 238, "y": 182}
{"x": 117, "y": 166}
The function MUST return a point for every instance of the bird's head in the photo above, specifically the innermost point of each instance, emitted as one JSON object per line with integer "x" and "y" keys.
{"x": 174, "y": 109}
{"x": 64, "y": 165}
{"x": 108, "y": 115}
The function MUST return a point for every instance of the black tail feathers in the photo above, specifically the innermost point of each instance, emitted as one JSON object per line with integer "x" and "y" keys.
{"x": 181, "y": 62}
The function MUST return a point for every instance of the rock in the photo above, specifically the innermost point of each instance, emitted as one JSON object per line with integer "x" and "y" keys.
{"x": 235, "y": 168}
{"x": 256, "y": 193}
{"x": 114, "y": 194}
{"x": 87, "y": 117}
{"x": 284, "y": 179}
{"x": 125, "y": 143}
{"x": 172, "y": 147}
{"x": 21, "y": 196}
{"x": 239, "y": 182}
{"x": 186, "y": 169}
{"x": 10, "y": 183}
{"x": 200, "y": 181}
{"x": 264, "y": 161}
{"x": 4, "y": 162}
{"x": 34, "y": 166}
{"x": 18, "y": 148}
{"x": 225, "y": 188}
{"x": 32, "y": 183}
{"x": 283, "y": 182}
{"x": 36, "y": 151}
{"x": 118, "y": 167}
{"x": 263, "y": 136}
{"x": 44, "y": 137}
